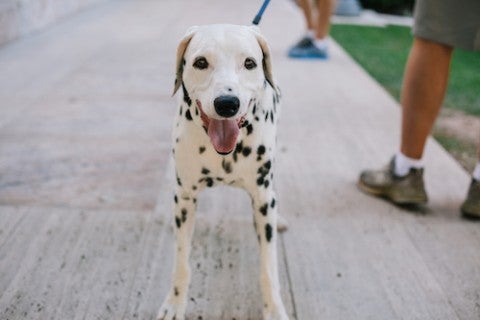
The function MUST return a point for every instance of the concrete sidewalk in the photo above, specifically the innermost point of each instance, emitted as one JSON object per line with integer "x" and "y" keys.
{"x": 85, "y": 171}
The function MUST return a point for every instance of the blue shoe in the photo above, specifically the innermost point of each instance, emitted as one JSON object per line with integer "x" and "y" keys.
{"x": 305, "y": 49}
{"x": 303, "y": 43}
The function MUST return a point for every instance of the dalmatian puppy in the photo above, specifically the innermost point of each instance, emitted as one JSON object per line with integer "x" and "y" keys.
{"x": 224, "y": 133}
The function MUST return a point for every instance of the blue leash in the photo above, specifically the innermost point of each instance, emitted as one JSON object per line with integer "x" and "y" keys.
{"x": 258, "y": 17}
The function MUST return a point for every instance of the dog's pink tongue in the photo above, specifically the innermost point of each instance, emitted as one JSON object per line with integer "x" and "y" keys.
{"x": 223, "y": 134}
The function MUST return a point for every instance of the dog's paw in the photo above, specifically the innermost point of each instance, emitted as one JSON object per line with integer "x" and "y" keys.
{"x": 171, "y": 311}
{"x": 282, "y": 224}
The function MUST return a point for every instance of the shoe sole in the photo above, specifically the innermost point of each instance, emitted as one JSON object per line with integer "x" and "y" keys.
{"x": 398, "y": 201}
{"x": 470, "y": 215}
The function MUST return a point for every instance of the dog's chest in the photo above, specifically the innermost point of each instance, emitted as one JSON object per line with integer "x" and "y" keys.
{"x": 198, "y": 161}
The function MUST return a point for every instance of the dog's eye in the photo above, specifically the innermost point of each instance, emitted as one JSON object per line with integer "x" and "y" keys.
{"x": 250, "y": 64}
{"x": 200, "y": 63}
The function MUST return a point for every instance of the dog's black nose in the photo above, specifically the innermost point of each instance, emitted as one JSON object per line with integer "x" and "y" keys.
{"x": 226, "y": 106}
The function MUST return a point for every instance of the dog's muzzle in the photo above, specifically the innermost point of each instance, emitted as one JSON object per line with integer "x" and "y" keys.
{"x": 223, "y": 133}
{"x": 226, "y": 106}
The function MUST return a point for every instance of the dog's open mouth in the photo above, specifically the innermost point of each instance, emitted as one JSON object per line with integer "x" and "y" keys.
{"x": 223, "y": 133}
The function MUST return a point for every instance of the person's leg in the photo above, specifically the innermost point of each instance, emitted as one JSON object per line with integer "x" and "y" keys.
{"x": 314, "y": 44}
{"x": 298, "y": 50}
{"x": 325, "y": 9}
{"x": 307, "y": 12}
{"x": 424, "y": 86}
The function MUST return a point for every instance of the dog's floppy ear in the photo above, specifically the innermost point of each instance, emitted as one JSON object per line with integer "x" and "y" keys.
{"x": 267, "y": 62}
{"x": 182, "y": 47}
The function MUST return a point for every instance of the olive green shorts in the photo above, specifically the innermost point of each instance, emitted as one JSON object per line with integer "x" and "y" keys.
{"x": 455, "y": 23}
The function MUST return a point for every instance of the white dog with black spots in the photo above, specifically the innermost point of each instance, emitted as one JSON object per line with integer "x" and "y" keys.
{"x": 225, "y": 133}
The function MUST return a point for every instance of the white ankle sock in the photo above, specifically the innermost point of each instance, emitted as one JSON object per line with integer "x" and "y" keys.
{"x": 310, "y": 34}
{"x": 403, "y": 164}
{"x": 321, "y": 44}
{"x": 476, "y": 172}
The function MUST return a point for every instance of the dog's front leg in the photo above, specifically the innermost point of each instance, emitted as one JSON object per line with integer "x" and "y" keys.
{"x": 265, "y": 219}
{"x": 174, "y": 305}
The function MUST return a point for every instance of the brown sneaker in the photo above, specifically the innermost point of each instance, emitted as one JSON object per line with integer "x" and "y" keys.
{"x": 407, "y": 190}
{"x": 471, "y": 207}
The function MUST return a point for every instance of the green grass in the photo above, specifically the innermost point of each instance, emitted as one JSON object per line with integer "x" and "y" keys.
{"x": 383, "y": 53}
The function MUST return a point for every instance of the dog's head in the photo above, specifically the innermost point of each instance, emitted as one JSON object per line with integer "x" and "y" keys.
{"x": 222, "y": 69}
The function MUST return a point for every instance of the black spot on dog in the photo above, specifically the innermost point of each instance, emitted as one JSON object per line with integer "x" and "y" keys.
{"x": 201, "y": 149}
{"x": 265, "y": 169}
{"x": 178, "y": 222}
{"x": 227, "y": 166}
{"x": 175, "y": 198}
{"x": 263, "y": 172}
{"x": 278, "y": 94}
{"x": 254, "y": 110}
{"x": 261, "y": 150}
{"x": 268, "y": 164}
{"x": 188, "y": 115}
{"x": 181, "y": 110}
{"x": 239, "y": 147}
{"x": 264, "y": 209}
{"x": 268, "y": 232}
{"x": 196, "y": 111}
{"x": 272, "y": 204}
{"x": 246, "y": 151}
{"x": 271, "y": 117}
{"x": 266, "y": 115}
{"x": 186, "y": 96}
{"x": 179, "y": 182}
{"x": 260, "y": 181}
{"x": 175, "y": 291}
{"x": 257, "y": 118}
{"x": 249, "y": 129}
{"x": 208, "y": 181}
{"x": 219, "y": 179}
{"x": 184, "y": 214}
{"x": 205, "y": 171}
{"x": 194, "y": 187}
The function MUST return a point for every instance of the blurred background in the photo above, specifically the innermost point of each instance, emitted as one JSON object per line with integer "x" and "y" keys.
{"x": 376, "y": 33}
